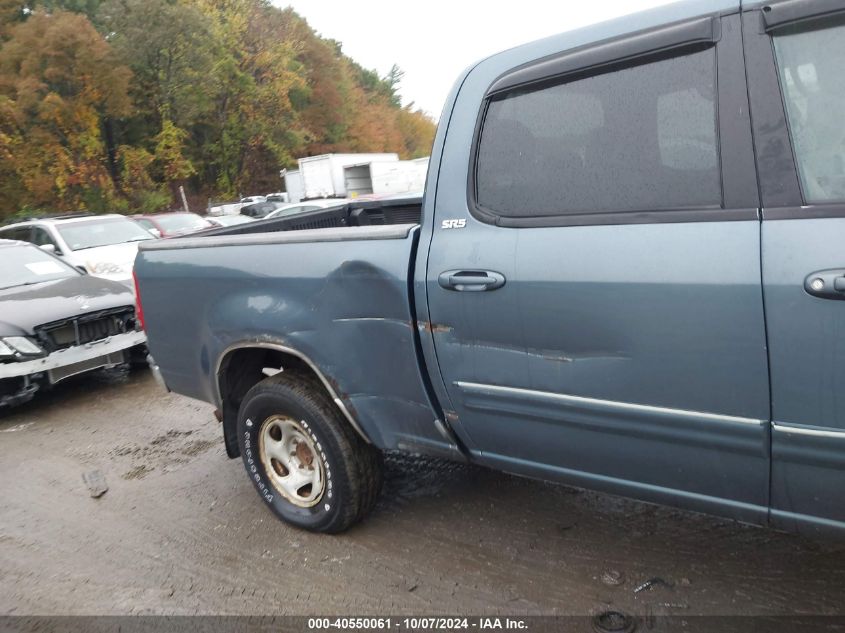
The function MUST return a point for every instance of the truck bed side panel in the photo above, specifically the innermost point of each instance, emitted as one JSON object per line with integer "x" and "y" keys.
{"x": 338, "y": 297}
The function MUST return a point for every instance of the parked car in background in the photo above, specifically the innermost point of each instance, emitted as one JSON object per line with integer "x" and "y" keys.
{"x": 56, "y": 322}
{"x": 173, "y": 224}
{"x": 222, "y": 208}
{"x": 278, "y": 197}
{"x": 301, "y": 207}
{"x": 259, "y": 209}
{"x": 101, "y": 245}
{"x": 229, "y": 220}
{"x": 253, "y": 199}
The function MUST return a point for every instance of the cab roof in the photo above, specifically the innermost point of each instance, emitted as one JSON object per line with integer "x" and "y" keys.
{"x": 609, "y": 29}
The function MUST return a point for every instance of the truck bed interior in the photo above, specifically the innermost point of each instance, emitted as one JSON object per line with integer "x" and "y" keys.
{"x": 399, "y": 210}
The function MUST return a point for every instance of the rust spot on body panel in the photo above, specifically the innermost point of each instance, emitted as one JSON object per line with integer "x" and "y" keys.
{"x": 434, "y": 328}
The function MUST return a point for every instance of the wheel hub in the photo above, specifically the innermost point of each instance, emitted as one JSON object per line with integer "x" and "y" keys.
{"x": 304, "y": 455}
{"x": 290, "y": 459}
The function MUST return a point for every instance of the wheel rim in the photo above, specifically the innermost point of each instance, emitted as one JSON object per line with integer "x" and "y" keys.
{"x": 292, "y": 461}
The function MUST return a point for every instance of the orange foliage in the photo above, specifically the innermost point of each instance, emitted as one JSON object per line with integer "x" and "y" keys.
{"x": 57, "y": 81}
{"x": 223, "y": 94}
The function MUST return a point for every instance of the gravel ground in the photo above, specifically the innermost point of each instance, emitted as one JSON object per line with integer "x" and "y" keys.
{"x": 181, "y": 531}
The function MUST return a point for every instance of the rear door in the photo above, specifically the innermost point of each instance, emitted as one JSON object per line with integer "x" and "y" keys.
{"x": 796, "y": 56}
{"x": 594, "y": 275}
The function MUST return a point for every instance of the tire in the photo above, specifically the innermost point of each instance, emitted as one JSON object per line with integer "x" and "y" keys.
{"x": 304, "y": 459}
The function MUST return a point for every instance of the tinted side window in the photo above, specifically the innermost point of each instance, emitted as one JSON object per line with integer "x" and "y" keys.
{"x": 637, "y": 139}
{"x": 21, "y": 233}
{"x": 40, "y": 237}
{"x": 810, "y": 64}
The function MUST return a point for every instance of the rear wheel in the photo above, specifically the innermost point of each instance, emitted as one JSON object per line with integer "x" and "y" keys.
{"x": 306, "y": 462}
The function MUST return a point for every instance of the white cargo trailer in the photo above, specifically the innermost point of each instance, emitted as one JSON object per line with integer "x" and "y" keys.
{"x": 323, "y": 176}
{"x": 223, "y": 208}
{"x": 293, "y": 185}
{"x": 385, "y": 177}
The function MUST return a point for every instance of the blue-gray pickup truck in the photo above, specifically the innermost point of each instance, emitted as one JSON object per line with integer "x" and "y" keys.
{"x": 627, "y": 273}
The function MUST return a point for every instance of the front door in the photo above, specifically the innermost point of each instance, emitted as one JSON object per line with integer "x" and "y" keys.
{"x": 795, "y": 59}
{"x": 596, "y": 298}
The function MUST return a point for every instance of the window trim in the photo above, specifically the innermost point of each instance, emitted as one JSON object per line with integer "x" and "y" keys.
{"x": 598, "y": 58}
{"x": 810, "y": 19}
{"x": 739, "y": 200}
{"x": 780, "y": 182}
{"x": 788, "y": 12}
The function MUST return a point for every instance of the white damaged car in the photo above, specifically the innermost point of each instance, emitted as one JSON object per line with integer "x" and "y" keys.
{"x": 100, "y": 245}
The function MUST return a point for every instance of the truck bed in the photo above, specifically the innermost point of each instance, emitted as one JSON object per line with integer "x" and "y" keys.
{"x": 338, "y": 296}
{"x": 395, "y": 210}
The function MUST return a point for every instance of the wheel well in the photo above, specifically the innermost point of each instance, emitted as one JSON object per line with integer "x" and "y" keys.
{"x": 243, "y": 368}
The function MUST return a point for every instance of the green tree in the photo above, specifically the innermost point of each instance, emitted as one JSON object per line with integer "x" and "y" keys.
{"x": 86, "y": 7}
{"x": 255, "y": 72}
{"x": 170, "y": 49}
{"x": 170, "y": 162}
{"x": 392, "y": 80}
{"x": 143, "y": 194}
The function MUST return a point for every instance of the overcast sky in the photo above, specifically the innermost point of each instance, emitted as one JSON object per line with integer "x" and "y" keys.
{"x": 434, "y": 41}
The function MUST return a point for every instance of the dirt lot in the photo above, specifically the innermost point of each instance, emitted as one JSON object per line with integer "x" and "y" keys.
{"x": 181, "y": 531}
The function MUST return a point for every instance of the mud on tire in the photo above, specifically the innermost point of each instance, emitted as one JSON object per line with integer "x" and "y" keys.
{"x": 306, "y": 462}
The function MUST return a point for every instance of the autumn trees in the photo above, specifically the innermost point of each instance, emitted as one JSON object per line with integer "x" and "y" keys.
{"x": 59, "y": 83}
{"x": 109, "y": 105}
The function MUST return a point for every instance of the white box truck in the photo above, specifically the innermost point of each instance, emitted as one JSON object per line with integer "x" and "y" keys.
{"x": 293, "y": 185}
{"x": 323, "y": 176}
{"x": 385, "y": 177}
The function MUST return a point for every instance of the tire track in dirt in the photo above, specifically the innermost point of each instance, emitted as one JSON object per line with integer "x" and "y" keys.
{"x": 181, "y": 530}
